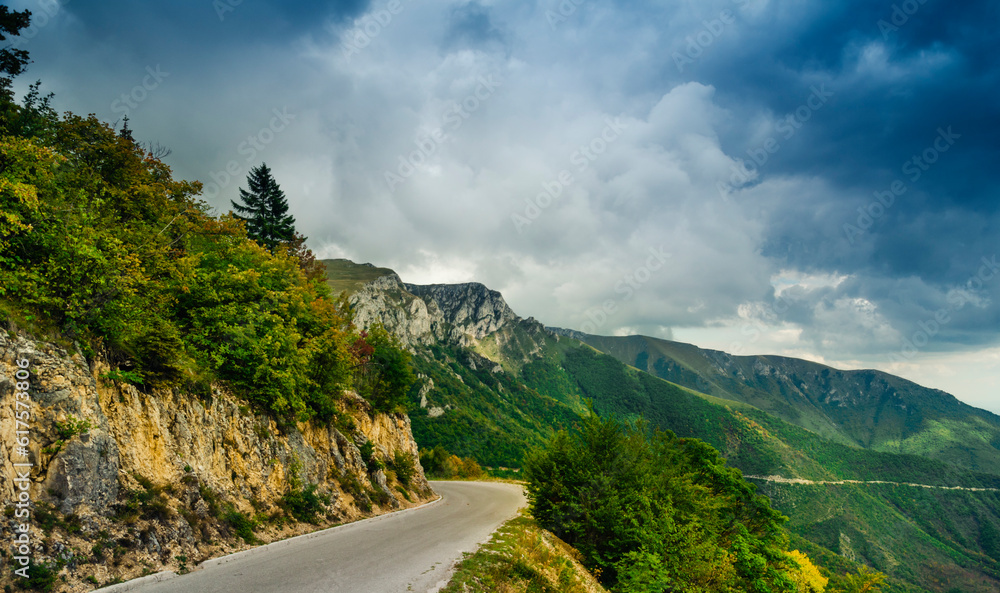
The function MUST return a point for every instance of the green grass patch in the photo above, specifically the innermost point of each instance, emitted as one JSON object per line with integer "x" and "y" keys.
{"x": 522, "y": 558}
{"x": 346, "y": 276}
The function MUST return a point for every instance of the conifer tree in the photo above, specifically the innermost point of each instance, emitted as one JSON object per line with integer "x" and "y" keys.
{"x": 264, "y": 209}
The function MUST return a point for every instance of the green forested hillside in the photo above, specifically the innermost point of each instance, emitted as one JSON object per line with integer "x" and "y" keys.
{"x": 867, "y": 409}
{"x": 490, "y": 416}
{"x": 905, "y": 531}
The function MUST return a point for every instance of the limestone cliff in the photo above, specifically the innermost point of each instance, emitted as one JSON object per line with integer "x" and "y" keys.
{"x": 467, "y": 315}
{"x": 472, "y": 308}
{"x": 127, "y": 481}
{"x": 413, "y": 320}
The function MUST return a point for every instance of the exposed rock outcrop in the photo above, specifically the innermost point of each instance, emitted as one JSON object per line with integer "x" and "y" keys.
{"x": 466, "y": 315}
{"x": 459, "y": 314}
{"x": 152, "y": 474}
{"x": 414, "y": 321}
{"x": 472, "y": 308}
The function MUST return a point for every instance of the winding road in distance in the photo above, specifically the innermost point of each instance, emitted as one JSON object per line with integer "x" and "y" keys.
{"x": 411, "y": 550}
{"x": 782, "y": 480}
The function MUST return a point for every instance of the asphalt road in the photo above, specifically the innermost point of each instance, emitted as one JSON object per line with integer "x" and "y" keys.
{"x": 412, "y": 550}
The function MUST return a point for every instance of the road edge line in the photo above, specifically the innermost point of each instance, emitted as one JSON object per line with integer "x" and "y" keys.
{"x": 169, "y": 574}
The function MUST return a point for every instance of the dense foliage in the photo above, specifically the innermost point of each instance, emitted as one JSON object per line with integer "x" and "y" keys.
{"x": 100, "y": 247}
{"x": 12, "y": 61}
{"x": 492, "y": 417}
{"x": 383, "y": 372}
{"x": 655, "y": 513}
{"x": 439, "y": 463}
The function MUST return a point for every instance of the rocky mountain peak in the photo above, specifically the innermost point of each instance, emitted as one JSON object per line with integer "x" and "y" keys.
{"x": 472, "y": 307}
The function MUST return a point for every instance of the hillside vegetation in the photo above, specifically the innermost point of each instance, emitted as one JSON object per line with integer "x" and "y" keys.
{"x": 659, "y": 513}
{"x": 492, "y": 417}
{"x": 867, "y": 409}
{"x": 102, "y": 249}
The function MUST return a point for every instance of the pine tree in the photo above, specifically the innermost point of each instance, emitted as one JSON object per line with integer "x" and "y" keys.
{"x": 126, "y": 132}
{"x": 264, "y": 209}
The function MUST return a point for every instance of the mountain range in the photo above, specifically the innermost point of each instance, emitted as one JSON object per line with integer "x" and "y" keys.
{"x": 870, "y": 468}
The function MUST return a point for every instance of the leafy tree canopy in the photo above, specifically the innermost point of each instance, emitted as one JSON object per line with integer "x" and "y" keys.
{"x": 651, "y": 512}
{"x": 12, "y": 61}
{"x": 102, "y": 249}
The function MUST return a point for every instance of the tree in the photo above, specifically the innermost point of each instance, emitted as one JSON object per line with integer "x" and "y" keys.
{"x": 807, "y": 577}
{"x": 126, "y": 132}
{"x": 382, "y": 371}
{"x": 865, "y": 580}
{"x": 264, "y": 209}
{"x": 12, "y": 61}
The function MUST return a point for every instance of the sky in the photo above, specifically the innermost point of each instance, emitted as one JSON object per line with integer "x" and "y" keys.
{"x": 795, "y": 177}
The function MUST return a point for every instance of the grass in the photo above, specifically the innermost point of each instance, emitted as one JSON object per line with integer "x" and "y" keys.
{"x": 344, "y": 275}
{"x": 523, "y": 558}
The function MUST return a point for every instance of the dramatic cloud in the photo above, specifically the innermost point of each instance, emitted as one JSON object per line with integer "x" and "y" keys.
{"x": 806, "y": 178}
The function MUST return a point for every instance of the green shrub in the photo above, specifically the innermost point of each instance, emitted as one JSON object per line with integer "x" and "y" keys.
{"x": 241, "y": 524}
{"x": 41, "y": 576}
{"x": 379, "y": 496}
{"x": 130, "y": 377}
{"x": 351, "y": 485}
{"x": 304, "y": 505}
{"x": 46, "y": 517}
{"x": 372, "y": 462}
{"x": 402, "y": 464}
{"x": 147, "y": 502}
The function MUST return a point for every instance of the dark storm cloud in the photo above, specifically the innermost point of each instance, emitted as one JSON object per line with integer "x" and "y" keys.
{"x": 206, "y": 23}
{"x": 900, "y": 74}
{"x": 894, "y": 85}
{"x": 837, "y": 108}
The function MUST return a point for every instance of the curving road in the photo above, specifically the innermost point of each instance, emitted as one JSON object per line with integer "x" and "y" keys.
{"x": 412, "y": 550}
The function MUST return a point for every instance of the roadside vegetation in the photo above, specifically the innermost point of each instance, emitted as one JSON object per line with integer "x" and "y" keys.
{"x": 650, "y": 513}
{"x": 439, "y": 464}
{"x": 523, "y": 558}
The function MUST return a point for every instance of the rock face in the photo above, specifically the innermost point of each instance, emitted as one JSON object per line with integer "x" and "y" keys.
{"x": 473, "y": 309}
{"x": 414, "y": 321}
{"x": 98, "y": 445}
{"x": 459, "y": 314}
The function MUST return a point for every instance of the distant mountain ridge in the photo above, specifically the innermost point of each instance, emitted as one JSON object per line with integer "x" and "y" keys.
{"x": 864, "y": 408}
